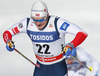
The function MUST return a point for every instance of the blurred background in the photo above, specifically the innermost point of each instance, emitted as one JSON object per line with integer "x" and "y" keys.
{"x": 84, "y": 13}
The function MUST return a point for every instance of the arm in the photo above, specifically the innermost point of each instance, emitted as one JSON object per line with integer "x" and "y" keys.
{"x": 15, "y": 29}
{"x": 65, "y": 27}
{"x": 79, "y": 38}
{"x": 86, "y": 57}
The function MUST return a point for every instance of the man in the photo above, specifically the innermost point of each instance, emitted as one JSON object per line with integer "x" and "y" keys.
{"x": 47, "y": 33}
{"x": 75, "y": 68}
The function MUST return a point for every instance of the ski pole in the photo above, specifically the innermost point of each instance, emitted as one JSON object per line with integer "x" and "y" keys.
{"x": 27, "y": 58}
{"x": 89, "y": 68}
{"x": 11, "y": 44}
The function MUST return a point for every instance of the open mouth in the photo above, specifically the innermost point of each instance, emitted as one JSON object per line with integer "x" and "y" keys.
{"x": 39, "y": 25}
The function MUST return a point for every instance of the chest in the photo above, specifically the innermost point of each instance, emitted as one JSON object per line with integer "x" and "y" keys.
{"x": 48, "y": 34}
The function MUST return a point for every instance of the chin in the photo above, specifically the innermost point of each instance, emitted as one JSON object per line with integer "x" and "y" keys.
{"x": 40, "y": 28}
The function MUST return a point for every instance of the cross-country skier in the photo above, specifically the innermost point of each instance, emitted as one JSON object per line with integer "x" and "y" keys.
{"x": 47, "y": 33}
{"x": 77, "y": 69}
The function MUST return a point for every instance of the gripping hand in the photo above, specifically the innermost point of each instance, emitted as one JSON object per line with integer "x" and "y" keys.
{"x": 10, "y": 45}
{"x": 68, "y": 49}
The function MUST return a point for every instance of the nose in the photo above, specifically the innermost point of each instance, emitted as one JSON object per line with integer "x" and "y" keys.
{"x": 37, "y": 23}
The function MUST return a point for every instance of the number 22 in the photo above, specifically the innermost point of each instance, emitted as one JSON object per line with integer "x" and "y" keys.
{"x": 40, "y": 47}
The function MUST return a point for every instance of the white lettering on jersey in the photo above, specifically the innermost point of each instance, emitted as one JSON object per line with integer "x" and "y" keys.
{"x": 41, "y": 37}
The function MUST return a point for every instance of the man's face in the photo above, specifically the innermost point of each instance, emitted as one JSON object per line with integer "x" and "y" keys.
{"x": 69, "y": 61}
{"x": 40, "y": 22}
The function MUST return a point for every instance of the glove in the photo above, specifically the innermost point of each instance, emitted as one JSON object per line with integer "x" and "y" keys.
{"x": 10, "y": 45}
{"x": 96, "y": 75}
{"x": 68, "y": 49}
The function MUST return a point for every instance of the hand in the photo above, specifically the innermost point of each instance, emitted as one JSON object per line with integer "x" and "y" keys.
{"x": 10, "y": 45}
{"x": 68, "y": 49}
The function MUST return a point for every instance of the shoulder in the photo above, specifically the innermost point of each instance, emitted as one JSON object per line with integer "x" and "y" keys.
{"x": 25, "y": 20}
{"x": 60, "y": 19}
{"x": 63, "y": 24}
{"x": 22, "y": 24}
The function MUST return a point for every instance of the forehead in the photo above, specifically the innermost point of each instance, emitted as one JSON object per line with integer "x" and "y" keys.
{"x": 37, "y": 18}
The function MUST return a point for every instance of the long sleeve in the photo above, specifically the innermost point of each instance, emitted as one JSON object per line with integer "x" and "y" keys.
{"x": 79, "y": 38}
{"x": 15, "y": 29}
{"x": 65, "y": 27}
